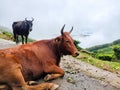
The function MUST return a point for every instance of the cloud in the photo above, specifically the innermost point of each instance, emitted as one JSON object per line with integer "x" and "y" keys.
{"x": 101, "y": 17}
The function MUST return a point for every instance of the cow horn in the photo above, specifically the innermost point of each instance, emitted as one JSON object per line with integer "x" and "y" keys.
{"x": 62, "y": 29}
{"x": 71, "y": 30}
{"x": 32, "y": 19}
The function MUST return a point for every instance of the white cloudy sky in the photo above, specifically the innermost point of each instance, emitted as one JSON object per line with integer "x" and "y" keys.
{"x": 99, "y": 17}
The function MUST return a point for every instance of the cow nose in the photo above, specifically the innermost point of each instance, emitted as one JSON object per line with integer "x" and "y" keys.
{"x": 77, "y": 53}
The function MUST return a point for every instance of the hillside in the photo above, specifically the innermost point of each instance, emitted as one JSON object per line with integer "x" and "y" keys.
{"x": 104, "y": 56}
{"x": 110, "y": 51}
{"x": 104, "y": 47}
{"x": 5, "y": 33}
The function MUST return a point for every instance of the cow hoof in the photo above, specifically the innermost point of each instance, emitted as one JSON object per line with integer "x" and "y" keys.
{"x": 32, "y": 83}
{"x": 54, "y": 87}
{"x": 47, "y": 86}
{"x": 48, "y": 77}
{"x": 4, "y": 87}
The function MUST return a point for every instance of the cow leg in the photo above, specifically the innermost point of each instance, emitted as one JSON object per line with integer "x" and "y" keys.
{"x": 17, "y": 82}
{"x": 17, "y": 41}
{"x": 26, "y": 37}
{"x": 16, "y": 38}
{"x": 22, "y": 39}
{"x": 56, "y": 72}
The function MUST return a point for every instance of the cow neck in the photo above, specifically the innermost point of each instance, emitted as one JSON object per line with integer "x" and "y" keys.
{"x": 58, "y": 53}
{"x": 57, "y": 50}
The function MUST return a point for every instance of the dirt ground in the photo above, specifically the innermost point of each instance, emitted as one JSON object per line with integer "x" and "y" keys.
{"x": 80, "y": 75}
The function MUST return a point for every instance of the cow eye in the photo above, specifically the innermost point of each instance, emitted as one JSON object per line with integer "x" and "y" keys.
{"x": 67, "y": 41}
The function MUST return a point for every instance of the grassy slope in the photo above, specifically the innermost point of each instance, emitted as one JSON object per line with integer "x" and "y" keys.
{"x": 113, "y": 66}
{"x": 106, "y": 65}
{"x": 5, "y": 34}
{"x": 105, "y": 48}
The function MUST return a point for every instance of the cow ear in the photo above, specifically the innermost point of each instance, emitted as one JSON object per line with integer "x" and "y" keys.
{"x": 58, "y": 39}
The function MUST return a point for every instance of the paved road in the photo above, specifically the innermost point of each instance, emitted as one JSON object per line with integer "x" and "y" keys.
{"x": 75, "y": 77}
{"x": 6, "y": 44}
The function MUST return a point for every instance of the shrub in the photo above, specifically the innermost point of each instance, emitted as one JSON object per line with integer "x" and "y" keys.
{"x": 117, "y": 52}
{"x": 107, "y": 57}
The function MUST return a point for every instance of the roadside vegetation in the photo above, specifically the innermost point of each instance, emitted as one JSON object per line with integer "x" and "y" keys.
{"x": 106, "y": 56}
{"x": 4, "y": 34}
{"x": 112, "y": 66}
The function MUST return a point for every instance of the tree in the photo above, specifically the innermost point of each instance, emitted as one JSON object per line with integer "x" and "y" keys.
{"x": 76, "y": 42}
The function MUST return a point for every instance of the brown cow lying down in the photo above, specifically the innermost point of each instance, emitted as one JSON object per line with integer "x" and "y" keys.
{"x": 29, "y": 62}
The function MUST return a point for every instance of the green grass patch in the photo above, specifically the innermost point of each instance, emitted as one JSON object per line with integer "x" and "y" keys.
{"x": 106, "y": 65}
{"x": 6, "y": 35}
{"x": 9, "y": 36}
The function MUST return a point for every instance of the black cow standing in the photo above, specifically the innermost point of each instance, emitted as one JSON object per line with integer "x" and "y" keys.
{"x": 22, "y": 28}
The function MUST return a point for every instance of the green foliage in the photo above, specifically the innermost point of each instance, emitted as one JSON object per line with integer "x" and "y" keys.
{"x": 116, "y": 42}
{"x": 76, "y": 42}
{"x": 6, "y": 35}
{"x": 108, "y": 57}
{"x": 105, "y": 56}
{"x": 106, "y": 65}
{"x": 117, "y": 52}
{"x": 107, "y": 50}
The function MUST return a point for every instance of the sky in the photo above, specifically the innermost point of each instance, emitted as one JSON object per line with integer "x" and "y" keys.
{"x": 95, "y": 22}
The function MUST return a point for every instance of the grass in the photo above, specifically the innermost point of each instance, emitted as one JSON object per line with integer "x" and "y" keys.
{"x": 106, "y": 65}
{"x": 9, "y": 36}
{"x": 6, "y": 35}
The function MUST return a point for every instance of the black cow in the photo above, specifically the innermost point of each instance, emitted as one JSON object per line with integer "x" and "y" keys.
{"x": 22, "y": 28}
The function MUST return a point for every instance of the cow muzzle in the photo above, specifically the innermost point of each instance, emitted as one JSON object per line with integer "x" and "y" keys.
{"x": 76, "y": 54}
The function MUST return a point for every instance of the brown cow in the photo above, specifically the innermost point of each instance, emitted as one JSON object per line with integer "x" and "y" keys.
{"x": 34, "y": 60}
